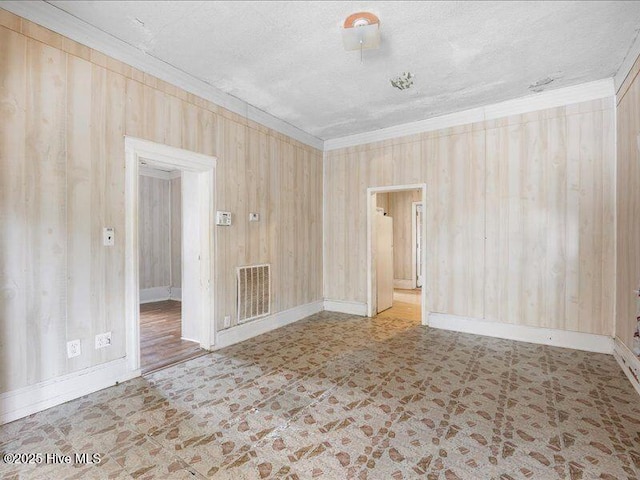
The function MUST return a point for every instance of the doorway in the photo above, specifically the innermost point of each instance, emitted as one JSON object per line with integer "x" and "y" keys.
{"x": 160, "y": 237}
{"x": 396, "y": 262}
{"x": 188, "y": 317}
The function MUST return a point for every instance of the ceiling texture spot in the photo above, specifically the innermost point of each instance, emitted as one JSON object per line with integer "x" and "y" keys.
{"x": 288, "y": 59}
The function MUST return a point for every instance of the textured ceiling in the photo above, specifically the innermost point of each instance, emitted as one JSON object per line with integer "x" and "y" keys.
{"x": 287, "y": 59}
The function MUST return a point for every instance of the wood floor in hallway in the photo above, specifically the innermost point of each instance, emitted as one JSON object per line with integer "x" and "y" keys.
{"x": 161, "y": 342}
{"x": 406, "y": 305}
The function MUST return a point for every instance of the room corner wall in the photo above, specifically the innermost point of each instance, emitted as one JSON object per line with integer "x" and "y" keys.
{"x": 520, "y": 216}
{"x": 66, "y": 111}
{"x": 628, "y": 213}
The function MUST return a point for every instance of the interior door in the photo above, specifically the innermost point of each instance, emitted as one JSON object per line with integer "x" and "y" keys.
{"x": 384, "y": 261}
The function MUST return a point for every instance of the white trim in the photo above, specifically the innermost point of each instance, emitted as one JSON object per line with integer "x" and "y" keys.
{"x": 344, "y": 306}
{"x": 371, "y": 205}
{"x": 539, "y": 101}
{"x": 629, "y": 363}
{"x": 199, "y": 173}
{"x": 546, "y": 336}
{"x": 404, "y": 284}
{"x": 175, "y": 293}
{"x": 56, "y": 19}
{"x": 248, "y": 330}
{"x": 154, "y": 294}
{"x": 146, "y": 171}
{"x": 627, "y": 64}
{"x": 35, "y": 398}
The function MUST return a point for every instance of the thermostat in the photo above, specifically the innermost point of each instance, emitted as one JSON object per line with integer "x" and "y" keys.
{"x": 223, "y": 218}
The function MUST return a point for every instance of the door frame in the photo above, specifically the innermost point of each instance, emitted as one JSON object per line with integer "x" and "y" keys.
{"x": 414, "y": 243}
{"x": 372, "y": 192}
{"x": 200, "y": 177}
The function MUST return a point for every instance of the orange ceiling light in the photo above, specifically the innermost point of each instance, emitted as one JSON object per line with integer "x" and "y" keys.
{"x": 361, "y": 31}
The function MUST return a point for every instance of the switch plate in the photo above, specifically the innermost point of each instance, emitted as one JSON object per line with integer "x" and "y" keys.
{"x": 223, "y": 218}
{"x": 103, "y": 340}
{"x": 108, "y": 237}
{"x": 73, "y": 348}
{"x": 254, "y": 217}
{"x": 227, "y": 321}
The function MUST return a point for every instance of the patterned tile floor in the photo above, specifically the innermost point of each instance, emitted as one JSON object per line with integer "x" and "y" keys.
{"x": 336, "y": 396}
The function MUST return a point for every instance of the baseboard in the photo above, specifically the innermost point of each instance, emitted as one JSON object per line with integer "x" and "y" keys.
{"x": 404, "y": 284}
{"x": 343, "y": 306}
{"x": 546, "y": 336}
{"x": 175, "y": 293}
{"x": 35, "y": 398}
{"x": 155, "y": 294}
{"x": 629, "y": 363}
{"x": 248, "y": 330}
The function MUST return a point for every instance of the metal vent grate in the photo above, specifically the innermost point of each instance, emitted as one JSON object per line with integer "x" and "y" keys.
{"x": 254, "y": 292}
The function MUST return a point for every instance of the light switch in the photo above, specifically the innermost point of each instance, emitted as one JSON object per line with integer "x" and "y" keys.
{"x": 254, "y": 217}
{"x": 108, "y": 237}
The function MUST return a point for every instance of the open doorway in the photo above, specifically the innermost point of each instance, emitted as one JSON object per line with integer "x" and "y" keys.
{"x": 162, "y": 342}
{"x": 169, "y": 238}
{"x": 396, "y": 238}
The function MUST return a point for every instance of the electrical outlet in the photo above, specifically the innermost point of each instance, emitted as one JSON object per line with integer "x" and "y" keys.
{"x": 103, "y": 340}
{"x": 73, "y": 348}
{"x": 227, "y": 321}
{"x": 254, "y": 217}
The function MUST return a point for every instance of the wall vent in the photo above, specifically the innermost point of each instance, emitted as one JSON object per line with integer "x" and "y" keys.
{"x": 254, "y": 292}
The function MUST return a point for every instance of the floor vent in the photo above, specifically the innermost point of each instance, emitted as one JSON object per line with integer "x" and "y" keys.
{"x": 254, "y": 292}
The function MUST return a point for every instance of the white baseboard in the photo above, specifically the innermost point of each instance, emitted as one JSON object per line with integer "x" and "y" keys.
{"x": 629, "y": 363}
{"x": 35, "y": 398}
{"x": 343, "y": 306}
{"x": 546, "y": 336}
{"x": 155, "y": 294}
{"x": 175, "y": 294}
{"x": 404, "y": 284}
{"x": 248, "y": 330}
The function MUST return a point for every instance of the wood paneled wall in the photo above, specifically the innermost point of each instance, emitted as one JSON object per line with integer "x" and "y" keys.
{"x": 176, "y": 232}
{"x": 398, "y": 205}
{"x": 400, "y": 209}
{"x": 628, "y": 206}
{"x": 65, "y": 112}
{"x": 155, "y": 232}
{"x": 520, "y": 216}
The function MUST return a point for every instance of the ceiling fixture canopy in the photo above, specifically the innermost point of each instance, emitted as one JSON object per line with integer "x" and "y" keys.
{"x": 403, "y": 81}
{"x": 361, "y": 31}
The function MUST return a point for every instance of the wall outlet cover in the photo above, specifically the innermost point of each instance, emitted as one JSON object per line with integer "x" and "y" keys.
{"x": 227, "y": 321}
{"x": 103, "y": 340}
{"x": 73, "y": 348}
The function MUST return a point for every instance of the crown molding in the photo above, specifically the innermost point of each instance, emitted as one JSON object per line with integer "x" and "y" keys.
{"x": 540, "y": 101}
{"x": 627, "y": 64}
{"x": 53, "y": 18}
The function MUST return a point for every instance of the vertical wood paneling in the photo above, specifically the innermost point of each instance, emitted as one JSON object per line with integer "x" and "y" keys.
{"x": 519, "y": 216}
{"x": 115, "y": 206}
{"x": 14, "y": 295}
{"x": 176, "y": 232}
{"x": 628, "y": 212}
{"x": 46, "y": 239}
{"x": 155, "y": 232}
{"x": 400, "y": 209}
{"x": 63, "y": 121}
{"x": 79, "y": 207}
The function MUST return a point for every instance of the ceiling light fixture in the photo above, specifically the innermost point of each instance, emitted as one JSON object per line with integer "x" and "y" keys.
{"x": 361, "y": 31}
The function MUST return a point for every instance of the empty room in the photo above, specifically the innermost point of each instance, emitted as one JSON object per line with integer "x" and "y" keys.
{"x": 368, "y": 240}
